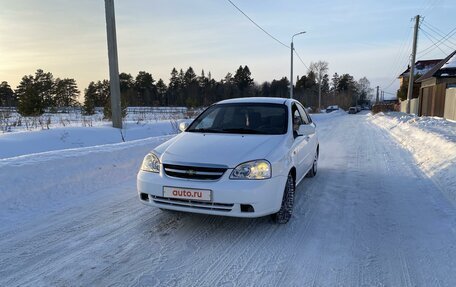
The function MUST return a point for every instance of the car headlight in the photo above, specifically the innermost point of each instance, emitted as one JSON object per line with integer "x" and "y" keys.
{"x": 256, "y": 169}
{"x": 151, "y": 163}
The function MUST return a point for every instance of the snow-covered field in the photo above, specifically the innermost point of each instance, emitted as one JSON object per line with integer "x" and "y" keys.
{"x": 431, "y": 141}
{"x": 58, "y": 138}
{"x": 58, "y": 131}
{"x": 371, "y": 217}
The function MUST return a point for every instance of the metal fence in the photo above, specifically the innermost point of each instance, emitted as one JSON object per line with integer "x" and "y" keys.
{"x": 414, "y": 104}
{"x": 450, "y": 104}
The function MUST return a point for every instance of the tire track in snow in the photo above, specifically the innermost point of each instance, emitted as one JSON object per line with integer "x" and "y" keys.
{"x": 354, "y": 225}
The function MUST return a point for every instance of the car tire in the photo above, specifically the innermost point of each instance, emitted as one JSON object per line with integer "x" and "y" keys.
{"x": 313, "y": 171}
{"x": 286, "y": 209}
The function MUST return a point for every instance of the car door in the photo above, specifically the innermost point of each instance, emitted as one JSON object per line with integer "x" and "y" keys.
{"x": 311, "y": 140}
{"x": 300, "y": 151}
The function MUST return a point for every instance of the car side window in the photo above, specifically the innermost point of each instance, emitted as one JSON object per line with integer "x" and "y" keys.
{"x": 297, "y": 119}
{"x": 305, "y": 117}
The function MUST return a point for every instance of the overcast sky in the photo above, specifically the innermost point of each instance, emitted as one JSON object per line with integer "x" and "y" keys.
{"x": 360, "y": 37}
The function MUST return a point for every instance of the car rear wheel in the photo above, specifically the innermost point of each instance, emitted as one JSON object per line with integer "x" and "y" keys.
{"x": 286, "y": 209}
{"x": 313, "y": 171}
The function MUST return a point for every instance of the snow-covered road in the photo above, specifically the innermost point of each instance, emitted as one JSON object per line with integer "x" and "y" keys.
{"x": 371, "y": 217}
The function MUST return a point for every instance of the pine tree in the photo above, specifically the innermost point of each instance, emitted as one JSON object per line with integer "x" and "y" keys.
{"x": 189, "y": 77}
{"x": 90, "y": 95}
{"x": 191, "y": 89}
{"x": 243, "y": 80}
{"x": 65, "y": 93}
{"x": 105, "y": 96}
{"x": 280, "y": 88}
{"x": 127, "y": 89}
{"x": 44, "y": 84}
{"x": 35, "y": 93}
{"x": 181, "y": 89}
{"x": 265, "y": 89}
{"x": 7, "y": 96}
{"x": 173, "y": 88}
{"x": 30, "y": 102}
{"x": 146, "y": 89}
{"x": 335, "y": 82}
{"x": 162, "y": 91}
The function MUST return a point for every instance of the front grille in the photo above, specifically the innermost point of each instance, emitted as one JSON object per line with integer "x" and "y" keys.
{"x": 193, "y": 172}
{"x": 192, "y": 203}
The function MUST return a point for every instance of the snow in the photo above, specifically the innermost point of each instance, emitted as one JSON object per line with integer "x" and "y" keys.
{"x": 371, "y": 217}
{"x": 451, "y": 63}
{"x": 59, "y": 138}
{"x": 31, "y": 183}
{"x": 431, "y": 141}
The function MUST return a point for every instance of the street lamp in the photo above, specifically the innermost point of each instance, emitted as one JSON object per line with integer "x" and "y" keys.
{"x": 291, "y": 74}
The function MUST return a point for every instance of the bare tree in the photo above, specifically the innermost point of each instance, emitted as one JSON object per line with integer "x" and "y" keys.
{"x": 319, "y": 68}
{"x": 365, "y": 92}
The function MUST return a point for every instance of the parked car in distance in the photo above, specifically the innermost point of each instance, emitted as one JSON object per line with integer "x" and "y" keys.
{"x": 358, "y": 109}
{"x": 240, "y": 157}
{"x": 332, "y": 108}
{"x": 352, "y": 110}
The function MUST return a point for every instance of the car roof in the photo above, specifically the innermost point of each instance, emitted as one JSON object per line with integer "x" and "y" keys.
{"x": 255, "y": 100}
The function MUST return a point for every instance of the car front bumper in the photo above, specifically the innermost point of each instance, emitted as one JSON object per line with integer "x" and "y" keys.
{"x": 229, "y": 197}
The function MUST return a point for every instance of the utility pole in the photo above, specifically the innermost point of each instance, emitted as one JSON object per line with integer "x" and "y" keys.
{"x": 291, "y": 72}
{"x": 113, "y": 64}
{"x": 376, "y": 98}
{"x": 291, "y": 66}
{"x": 319, "y": 92}
{"x": 412, "y": 64}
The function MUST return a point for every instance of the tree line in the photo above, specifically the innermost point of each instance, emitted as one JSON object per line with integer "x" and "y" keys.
{"x": 36, "y": 93}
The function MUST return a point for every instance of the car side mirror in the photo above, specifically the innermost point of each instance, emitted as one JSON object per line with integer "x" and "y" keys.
{"x": 183, "y": 126}
{"x": 306, "y": 130}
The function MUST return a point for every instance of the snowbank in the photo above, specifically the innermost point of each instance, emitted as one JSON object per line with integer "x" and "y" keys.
{"x": 28, "y": 142}
{"x": 321, "y": 117}
{"x": 53, "y": 179}
{"x": 432, "y": 142}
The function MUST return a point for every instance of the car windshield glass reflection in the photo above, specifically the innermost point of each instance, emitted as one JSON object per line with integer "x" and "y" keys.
{"x": 248, "y": 118}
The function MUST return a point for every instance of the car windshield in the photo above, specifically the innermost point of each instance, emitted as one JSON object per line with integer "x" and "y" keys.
{"x": 243, "y": 118}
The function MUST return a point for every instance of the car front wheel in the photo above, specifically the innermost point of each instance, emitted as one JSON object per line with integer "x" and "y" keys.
{"x": 286, "y": 209}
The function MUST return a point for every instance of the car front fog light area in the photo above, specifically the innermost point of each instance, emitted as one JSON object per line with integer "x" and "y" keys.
{"x": 151, "y": 163}
{"x": 257, "y": 169}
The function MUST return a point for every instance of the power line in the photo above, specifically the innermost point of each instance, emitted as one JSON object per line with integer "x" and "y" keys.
{"x": 430, "y": 7}
{"x": 432, "y": 41}
{"x": 437, "y": 31}
{"x": 259, "y": 27}
{"x": 300, "y": 59}
{"x": 432, "y": 47}
{"x": 267, "y": 33}
{"x": 401, "y": 57}
{"x": 430, "y": 35}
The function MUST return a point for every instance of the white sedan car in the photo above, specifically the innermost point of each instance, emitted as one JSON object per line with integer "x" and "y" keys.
{"x": 240, "y": 157}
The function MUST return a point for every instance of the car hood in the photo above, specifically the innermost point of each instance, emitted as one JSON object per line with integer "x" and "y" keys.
{"x": 218, "y": 149}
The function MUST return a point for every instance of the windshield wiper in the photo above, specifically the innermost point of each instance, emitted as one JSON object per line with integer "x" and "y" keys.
{"x": 242, "y": 131}
{"x": 205, "y": 131}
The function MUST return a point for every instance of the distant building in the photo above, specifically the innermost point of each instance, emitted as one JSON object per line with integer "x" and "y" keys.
{"x": 437, "y": 92}
{"x": 421, "y": 68}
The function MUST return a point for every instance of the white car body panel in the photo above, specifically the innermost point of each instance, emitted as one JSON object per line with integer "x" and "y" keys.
{"x": 283, "y": 152}
{"x": 221, "y": 149}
